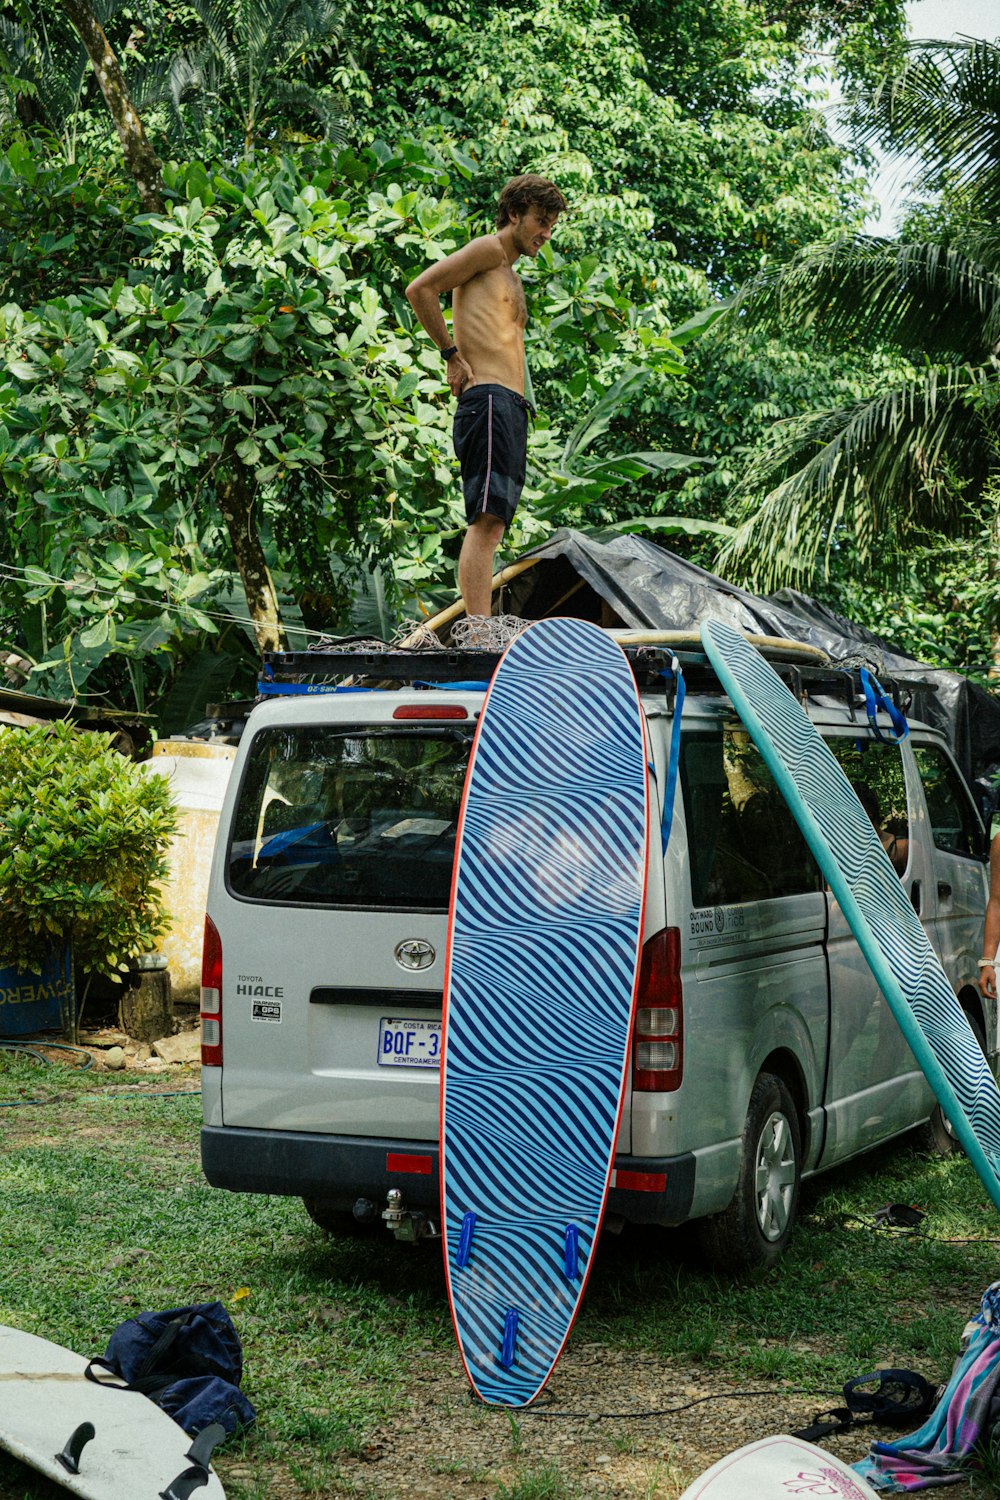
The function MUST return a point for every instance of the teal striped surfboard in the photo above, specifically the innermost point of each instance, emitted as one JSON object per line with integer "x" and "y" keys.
{"x": 874, "y": 903}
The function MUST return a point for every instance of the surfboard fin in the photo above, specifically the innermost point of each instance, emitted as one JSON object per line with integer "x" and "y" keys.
{"x": 465, "y": 1241}
{"x": 77, "y": 1441}
{"x": 571, "y": 1252}
{"x": 509, "y": 1339}
{"x": 196, "y": 1476}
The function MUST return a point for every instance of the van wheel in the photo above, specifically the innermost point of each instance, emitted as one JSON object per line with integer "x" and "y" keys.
{"x": 935, "y": 1136}
{"x": 339, "y": 1221}
{"x": 756, "y": 1227}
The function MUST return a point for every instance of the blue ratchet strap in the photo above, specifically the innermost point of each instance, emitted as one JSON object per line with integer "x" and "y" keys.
{"x": 875, "y": 698}
{"x": 673, "y": 674}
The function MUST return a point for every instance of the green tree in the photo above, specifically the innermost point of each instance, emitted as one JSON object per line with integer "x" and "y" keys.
{"x": 140, "y": 158}
{"x": 256, "y": 403}
{"x": 876, "y": 474}
{"x": 689, "y": 138}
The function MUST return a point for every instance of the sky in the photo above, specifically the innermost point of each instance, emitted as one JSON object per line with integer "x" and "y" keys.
{"x": 940, "y": 20}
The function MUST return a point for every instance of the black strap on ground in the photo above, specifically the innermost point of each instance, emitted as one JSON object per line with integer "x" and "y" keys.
{"x": 899, "y": 1216}
{"x": 893, "y": 1398}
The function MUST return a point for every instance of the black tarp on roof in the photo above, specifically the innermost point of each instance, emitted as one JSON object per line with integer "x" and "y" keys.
{"x": 634, "y": 582}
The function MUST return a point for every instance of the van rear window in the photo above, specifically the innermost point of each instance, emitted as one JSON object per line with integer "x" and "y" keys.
{"x": 349, "y": 817}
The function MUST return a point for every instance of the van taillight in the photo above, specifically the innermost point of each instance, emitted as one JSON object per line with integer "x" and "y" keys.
{"x": 211, "y": 997}
{"x": 430, "y": 711}
{"x": 658, "y": 1031}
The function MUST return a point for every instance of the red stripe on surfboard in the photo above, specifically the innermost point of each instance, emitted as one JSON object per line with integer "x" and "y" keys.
{"x": 443, "y": 1079}
{"x": 644, "y": 731}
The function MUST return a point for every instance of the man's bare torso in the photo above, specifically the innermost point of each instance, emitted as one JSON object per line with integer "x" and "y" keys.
{"x": 489, "y": 315}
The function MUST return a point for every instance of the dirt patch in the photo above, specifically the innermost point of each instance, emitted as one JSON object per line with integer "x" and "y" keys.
{"x": 602, "y": 1424}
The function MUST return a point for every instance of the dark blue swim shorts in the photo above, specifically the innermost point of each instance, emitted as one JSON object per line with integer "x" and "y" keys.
{"x": 491, "y": 444}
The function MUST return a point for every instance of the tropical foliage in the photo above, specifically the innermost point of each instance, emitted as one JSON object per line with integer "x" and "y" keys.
{"x": 875, "y": 475}
{"x": 250, "y": 79}
{"x": 219, "y": 425}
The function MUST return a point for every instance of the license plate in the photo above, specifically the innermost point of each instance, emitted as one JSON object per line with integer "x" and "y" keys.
{"x": 409, "y": 1043}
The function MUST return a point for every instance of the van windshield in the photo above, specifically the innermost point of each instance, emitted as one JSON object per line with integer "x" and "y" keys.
{"x": 349, "y": 817}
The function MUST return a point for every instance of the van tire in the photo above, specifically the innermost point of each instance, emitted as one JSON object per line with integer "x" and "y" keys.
{"x": 753, "y": 1232}
{"x": 935, "y": 1136}
{"x": 339, "y": 1222}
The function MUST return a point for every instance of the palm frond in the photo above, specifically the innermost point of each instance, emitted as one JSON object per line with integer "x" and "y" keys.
{"x": 194, "y": 80}
{"x": 597, "y": 420}
{"x": 317, "y": 102}
{"x": 926, "y": 299}
{"x": 876, "y": 469}
{"x": 670, "y": 526}
{"x": 257, "y": 30}
{"x": 250, "y": 62}
{"x": 310, "y": 28}
{"x": 216, "y": 19}
{"x": 943, "y": 105}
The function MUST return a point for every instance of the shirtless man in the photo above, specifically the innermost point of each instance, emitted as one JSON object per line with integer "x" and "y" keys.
{"x": 485, "y": 368}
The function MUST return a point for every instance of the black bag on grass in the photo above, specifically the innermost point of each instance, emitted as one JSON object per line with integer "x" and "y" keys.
{"x": 188, "y": 1360}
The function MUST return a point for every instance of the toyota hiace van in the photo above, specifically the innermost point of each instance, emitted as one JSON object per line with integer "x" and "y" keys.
{"x": 762, "y": 1051}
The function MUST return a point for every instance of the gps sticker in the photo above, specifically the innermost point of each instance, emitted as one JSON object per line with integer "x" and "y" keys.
{"x": 266, "y": 1010}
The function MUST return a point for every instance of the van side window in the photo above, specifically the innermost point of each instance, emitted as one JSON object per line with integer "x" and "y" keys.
{"x": 954, "y": 822}
{"x": 875, "y": 770}
{"x": 743, "y": 842}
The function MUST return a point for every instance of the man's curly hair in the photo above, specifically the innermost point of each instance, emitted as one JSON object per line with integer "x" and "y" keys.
{"x": 528, "y": 191}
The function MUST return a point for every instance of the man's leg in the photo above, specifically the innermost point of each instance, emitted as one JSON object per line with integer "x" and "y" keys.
{"x": 475, "y": 563}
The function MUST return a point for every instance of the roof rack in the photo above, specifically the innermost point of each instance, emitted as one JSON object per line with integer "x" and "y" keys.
{"x": 291, "y": 673}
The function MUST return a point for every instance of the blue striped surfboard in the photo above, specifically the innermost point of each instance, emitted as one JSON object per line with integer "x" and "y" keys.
{"x": 870, "y": 894}
{"x": 541, "y": 971}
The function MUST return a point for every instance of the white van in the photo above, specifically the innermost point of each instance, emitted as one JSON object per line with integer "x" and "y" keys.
{"x": 768, "y": 1054}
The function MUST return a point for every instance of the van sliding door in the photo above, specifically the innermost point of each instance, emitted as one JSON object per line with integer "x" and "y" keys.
{"x": 955, "y": 900}
{"x": 754, "y": 935}
{"x": 875, "y": 1088}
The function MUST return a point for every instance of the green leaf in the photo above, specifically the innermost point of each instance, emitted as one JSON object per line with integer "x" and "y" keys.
{"x": 672, "y": 526}
{"x": 695, "y": 327}
{"x": 96, "y": 634}
{"x": 239, "y": 349}
{"x": 406, "y": 385}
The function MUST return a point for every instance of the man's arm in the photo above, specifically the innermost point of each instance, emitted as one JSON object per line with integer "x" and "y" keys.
{"x": 425, "y": 291}
{"x": 991, "y": 933}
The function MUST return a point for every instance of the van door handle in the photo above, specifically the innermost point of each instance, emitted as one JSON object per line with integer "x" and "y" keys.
{"x": 944, "y": 889}
{"x": 915, "y": 896}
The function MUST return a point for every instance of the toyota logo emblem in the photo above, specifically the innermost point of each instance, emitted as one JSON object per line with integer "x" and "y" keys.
{"x": 414, "y": 953}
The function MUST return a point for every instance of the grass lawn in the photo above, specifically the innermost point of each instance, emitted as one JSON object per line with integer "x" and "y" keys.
{"x": 350, "y": 1358}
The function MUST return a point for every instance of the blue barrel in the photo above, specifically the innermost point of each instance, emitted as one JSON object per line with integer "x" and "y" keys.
{"x": 36, "y": 1002}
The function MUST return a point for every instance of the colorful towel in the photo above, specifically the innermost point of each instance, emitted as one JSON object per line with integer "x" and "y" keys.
{"x": 967, "y": 1414}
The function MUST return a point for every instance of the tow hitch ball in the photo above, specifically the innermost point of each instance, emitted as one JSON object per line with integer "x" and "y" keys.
{"x": 407, "y": 1224}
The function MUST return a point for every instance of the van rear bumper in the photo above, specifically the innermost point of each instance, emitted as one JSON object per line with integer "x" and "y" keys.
{"x": 339, "y": 1169}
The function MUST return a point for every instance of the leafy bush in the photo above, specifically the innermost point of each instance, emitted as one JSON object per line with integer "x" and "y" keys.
{"x": 83, "y": 843}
